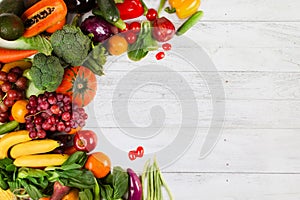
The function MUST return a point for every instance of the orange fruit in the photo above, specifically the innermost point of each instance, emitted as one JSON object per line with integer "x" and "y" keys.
{"x": 98, "y": 163}
{"x": 19, "y": 110}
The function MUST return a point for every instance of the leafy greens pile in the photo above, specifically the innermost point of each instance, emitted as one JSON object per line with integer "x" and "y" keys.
{"x": 37, "y": 182}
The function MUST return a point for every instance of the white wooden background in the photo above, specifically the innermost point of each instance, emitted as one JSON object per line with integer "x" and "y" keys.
{"x": 255, "y": 45}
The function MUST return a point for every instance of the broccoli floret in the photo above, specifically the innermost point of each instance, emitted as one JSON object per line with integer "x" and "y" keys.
{"x": 46, "y": 72}
{"x": 71, "y": 45}
{"x": 96, "y": 59}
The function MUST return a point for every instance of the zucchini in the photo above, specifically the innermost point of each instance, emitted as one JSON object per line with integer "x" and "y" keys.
{"x": 109, "y": 10}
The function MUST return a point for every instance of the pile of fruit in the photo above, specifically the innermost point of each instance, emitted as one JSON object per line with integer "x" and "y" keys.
{"x": 50, "y": 54}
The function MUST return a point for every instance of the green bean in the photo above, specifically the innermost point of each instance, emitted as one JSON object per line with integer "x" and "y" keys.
{"x": 143, "y": 179}
{"x": 161, "y": 5}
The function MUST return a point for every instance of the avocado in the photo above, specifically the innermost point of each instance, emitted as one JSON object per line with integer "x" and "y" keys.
{"x": 12, "y": 6}
{"x": 11, "y": 26}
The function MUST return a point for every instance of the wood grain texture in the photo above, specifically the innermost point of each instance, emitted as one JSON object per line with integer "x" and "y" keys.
{"x": 223, "y": 186}
{"x": 255, "y": 47}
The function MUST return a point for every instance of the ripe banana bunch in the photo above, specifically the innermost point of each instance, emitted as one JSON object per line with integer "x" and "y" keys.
{"x": 28, "y": 152}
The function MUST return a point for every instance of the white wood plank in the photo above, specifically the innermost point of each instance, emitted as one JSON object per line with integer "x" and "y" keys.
{"x": 237, "y": 85}
{"x": 239, "y": 113}
{"x": 237, "y": 150}
{"x": 234, "y": 186}
{"x": 246, "y": 10}
{"x": 233, "y": 46}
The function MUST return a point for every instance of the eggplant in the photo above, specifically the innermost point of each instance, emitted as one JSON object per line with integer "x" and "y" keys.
{"x": 135, "y": 186}
{"x": 100, "y": 28}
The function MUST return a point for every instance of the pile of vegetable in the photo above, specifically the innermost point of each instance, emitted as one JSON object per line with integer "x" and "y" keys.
{"x": 48, "y": 77}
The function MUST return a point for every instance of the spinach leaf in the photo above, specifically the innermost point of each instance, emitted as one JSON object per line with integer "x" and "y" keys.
{"x": 106, "y": 192}
{"x": 30, "y": 172}
{"x": 75, "y": 161}
{"x": 32, "y": 191}
{"x": 115, "y": 185}
{"x": 3, "y": 183}
{"x": 144, "y": 43}
{"x": 86, "y": 194}
{"x": 79, "y": 178}
{"x": 7, "y": 169}
{"x": 120, "y": 182}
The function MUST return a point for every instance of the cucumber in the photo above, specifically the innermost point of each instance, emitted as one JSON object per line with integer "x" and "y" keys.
{"x": 8, "y": 126}
{"x": 189, "y": 23}
{"x": 12, "y": 6}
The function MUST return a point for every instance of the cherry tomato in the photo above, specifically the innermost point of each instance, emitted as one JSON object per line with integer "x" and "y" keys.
{"x": 140, "y": 152}
{"x": 151, "y": 14}
{"x": 135, "y": 27}
{"x": 99, "y": 164}
{"x": 85, "y": 140}
{"x": 130, "y": 37}
{"x": 167, "y": 46}
{"x": 132, "y": 155}
{"x": 160, "y": 55}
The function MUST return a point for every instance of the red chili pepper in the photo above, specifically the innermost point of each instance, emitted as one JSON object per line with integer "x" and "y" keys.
{"x": 130, "y": 9}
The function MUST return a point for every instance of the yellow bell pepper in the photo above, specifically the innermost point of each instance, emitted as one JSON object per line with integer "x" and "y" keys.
{"x": 185, "y": 8}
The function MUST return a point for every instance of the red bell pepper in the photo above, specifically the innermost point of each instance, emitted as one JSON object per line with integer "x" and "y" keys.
{"x": 130, "y": 9}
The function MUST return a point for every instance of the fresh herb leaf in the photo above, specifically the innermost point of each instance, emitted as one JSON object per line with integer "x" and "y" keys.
{"x": 32, "y": 191}
{"x": 144, "y": 43}
{"x": 10, "y": 168}
{"x": 120, "y": 182}
{"x": 79, "y": 158}
{"x": 3, "y": 183}
{"x": 85, "y": 194}
{"x": 106, "y": 192}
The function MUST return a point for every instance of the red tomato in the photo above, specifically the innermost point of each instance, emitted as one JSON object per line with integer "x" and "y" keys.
{"x": 85, "y": 140}
{"x": 163, "y": 29}
{"x": 98, "y": 163}
{"x": 151, "y": 14}
{"x": 135, "y": 27}
{"x": 130, "y": 37}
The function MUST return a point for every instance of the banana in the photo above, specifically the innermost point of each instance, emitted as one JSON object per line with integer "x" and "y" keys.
{"x": 40, "y": 160}
{"x": 11, "y": 139}
{"x": 6, "y": 195}
{"x": 33, "y": 147}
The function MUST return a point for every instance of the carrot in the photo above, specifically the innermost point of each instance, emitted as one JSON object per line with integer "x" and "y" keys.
{"x": 11, "y": 55}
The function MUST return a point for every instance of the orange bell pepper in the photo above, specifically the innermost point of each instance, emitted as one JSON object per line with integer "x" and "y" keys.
{"x": 185, "y": 8}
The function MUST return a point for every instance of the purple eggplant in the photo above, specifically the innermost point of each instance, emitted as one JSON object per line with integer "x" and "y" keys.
{"x": 100, "y": 28}
{"x": 135, "y": 186}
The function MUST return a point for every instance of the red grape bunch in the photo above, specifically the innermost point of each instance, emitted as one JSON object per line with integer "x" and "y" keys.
{"x": 12, "y": 89}
{"x": 51, "y": 112}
